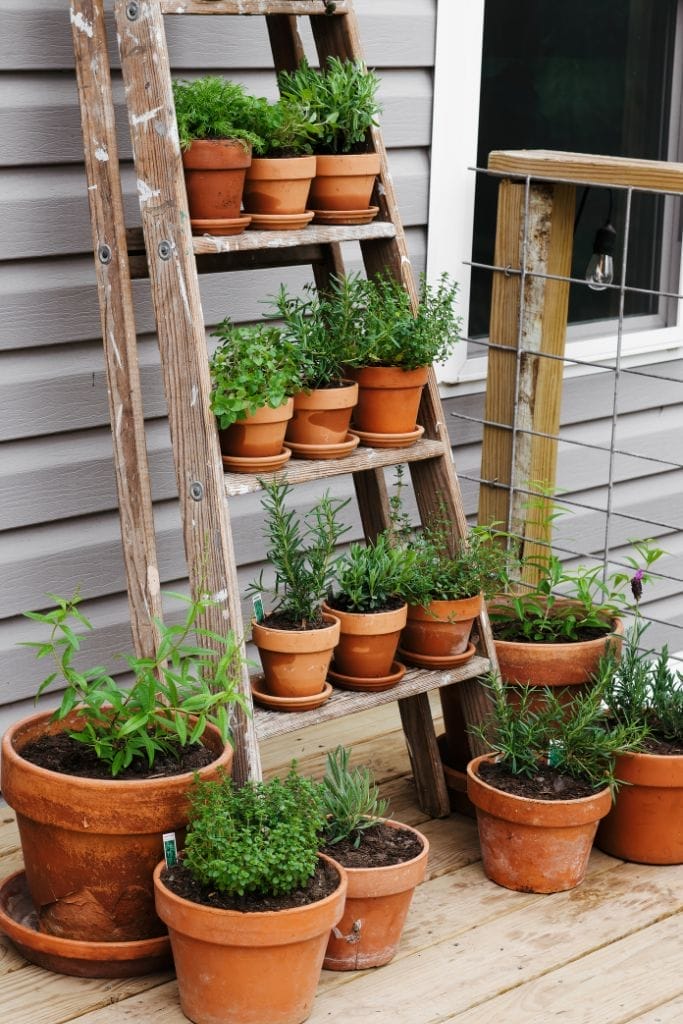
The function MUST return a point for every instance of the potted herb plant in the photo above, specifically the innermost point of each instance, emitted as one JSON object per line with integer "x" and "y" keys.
{"x": 319, "y": 428}
{"x": 255, "y": 371}
{"x": 643, "y": 690}
{"x": 213, "y": 115}
{"x": 279, "y": 177}
{"x": 295, "y": 640}
{"x": 341, "y": 97}
{"x": 540, "y": 794}
{"x": 385, "y": 861}
{"x": 250, "y": 905}
{"x": 96, "y": 783}
{"x": 390, "y": 349}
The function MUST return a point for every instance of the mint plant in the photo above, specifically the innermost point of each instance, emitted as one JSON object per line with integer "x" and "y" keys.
{"x": 262, "y": 838}
{"x": 213, "y": 108}
{"x": 350, "y": 799}
{"x": 173, "y": 697}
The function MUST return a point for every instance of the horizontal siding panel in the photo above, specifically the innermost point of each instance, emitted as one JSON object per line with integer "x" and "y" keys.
{"x": 39, "y": 38}
{"x": 46, "y": 209}
{"x": 40, "y": 119}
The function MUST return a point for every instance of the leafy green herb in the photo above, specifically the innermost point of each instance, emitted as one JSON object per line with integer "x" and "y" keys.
{"x": 350, "y": 799}
{"x": 262, "y": 838}
{"x": 183, "y": 682}
{"x": 286, "y": 128}
{"x": 371, "y": 576}
{"x": 213, "y": 108}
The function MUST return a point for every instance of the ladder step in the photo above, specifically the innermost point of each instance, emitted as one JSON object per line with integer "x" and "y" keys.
{"x": 252, "y": 7}
{"x": 346, "y": 702}
{"x": 316, "y": 234}
{"x": 299, "y": 471}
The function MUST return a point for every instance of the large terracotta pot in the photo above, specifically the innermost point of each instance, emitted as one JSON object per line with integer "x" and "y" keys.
{"x": 322, "y": 416}
{"x": 248, "y": 968}
{"x": 278, "y": 185}
{"x": 442, "y": 629}
{"x": 295, "y": 662}
{"x": 534, "y": 845}
{"x": 259, "y": 435}
{"x": 344, "y": 182}
{"x": 367, "y": 642}
{"x": 388, "y": 398}
{"x": 214, "y": 177}
{"x": 89, "y": 845}
{"x": 377, "y": 904}
{"x": 646, "y": 822}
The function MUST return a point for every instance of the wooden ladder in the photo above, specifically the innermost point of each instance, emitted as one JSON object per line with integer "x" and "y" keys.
{"x": 172, "y": 258}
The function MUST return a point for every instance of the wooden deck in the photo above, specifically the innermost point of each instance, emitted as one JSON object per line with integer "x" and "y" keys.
{"x": 609, "y": 952}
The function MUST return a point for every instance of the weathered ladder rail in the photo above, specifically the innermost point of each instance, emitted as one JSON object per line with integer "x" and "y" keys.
{"x": 172, "y": 258}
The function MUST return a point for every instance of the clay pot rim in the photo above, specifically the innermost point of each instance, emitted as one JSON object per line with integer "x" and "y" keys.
{"x": 322, "y": 636}
{"x": 332, "y": 164}
{"x": 361, "y": 623}
{"x": 266, "y": 414}
{"x": 253, "y": 924}
{"x": 200, "y": 154}
{"x": 389, "y": 879}
{"x": 378, "y": 376}
{"x": 530, "y": 811}
{"x": 651, "y": 771}
{"x": 281, "y": 168}
{"x": 328, "y": 398}
{"x": 469, "y": 607}
{"x": 617, "y": 631}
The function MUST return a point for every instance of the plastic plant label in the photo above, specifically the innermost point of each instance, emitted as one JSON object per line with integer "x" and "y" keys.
{"x": 170, "y": 849}
{"x": 257, "y": 602}
{"x": 554, "y": 753}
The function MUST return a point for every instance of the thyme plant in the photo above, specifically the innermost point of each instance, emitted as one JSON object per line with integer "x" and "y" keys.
{"x": 182, "y": 682}
{"x": 350, "y": 799}
{"x": 371, "y": 577}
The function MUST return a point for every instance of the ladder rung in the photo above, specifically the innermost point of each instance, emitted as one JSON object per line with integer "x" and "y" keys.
{"x": 316, "y": 234}
{"x": 251, "y": 7}
{"x": 299, "y": 471}
{"x": 346, "y": 702}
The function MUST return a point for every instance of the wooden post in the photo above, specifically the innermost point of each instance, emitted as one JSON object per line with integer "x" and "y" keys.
{"x": 118, "y": 323}
{"x": 529, "y": 318}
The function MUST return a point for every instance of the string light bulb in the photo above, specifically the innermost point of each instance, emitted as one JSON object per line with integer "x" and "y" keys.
{"x": 600, "y": 269}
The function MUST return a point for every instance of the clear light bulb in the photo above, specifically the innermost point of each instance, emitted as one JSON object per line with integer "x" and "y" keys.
{"x": 600, "y": 269}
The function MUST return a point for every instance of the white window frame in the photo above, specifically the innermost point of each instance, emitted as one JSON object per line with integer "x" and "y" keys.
{"x": 455, "y": 125}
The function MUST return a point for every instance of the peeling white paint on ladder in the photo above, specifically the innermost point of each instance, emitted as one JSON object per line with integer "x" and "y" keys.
{"x": 80, "y": 23}
{"x": 101, "y": 154}
{"x": 144, "y": 118}
{"x": 145, "y": 193}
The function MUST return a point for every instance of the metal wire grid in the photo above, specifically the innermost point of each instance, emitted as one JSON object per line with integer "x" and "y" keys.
{"x": 614, "y": 366}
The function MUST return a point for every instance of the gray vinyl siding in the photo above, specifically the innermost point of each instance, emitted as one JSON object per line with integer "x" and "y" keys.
{"x": 59, "y": 526}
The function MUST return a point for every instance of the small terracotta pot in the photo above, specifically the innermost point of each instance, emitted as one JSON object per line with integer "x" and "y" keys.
{"x": 441, "y": 629}
{"x": 322, "y": 416}
{"x": 239, "y": 968}
{"x": 388, "y": 398}
{"x": 377, "y": 904}
{"x": 646, "y": 822}
{"x": 259, "y": 435}
{"x": 534, "y": 845}
{"x": 278, "y": 185}
{"x": 295, "y": 662}
{"x": 214, "y": 177}
{"x": 344, "y": 182}
{"x": 90, "y": 845}
{"x": 367, "y": 642}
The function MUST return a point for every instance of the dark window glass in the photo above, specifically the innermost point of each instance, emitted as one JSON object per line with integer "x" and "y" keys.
{"x": 590, "y": 76}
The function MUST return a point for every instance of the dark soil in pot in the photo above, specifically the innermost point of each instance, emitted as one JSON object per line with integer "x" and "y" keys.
{"x": 379, "y": 847}
{"x": 61, "y": 753}
{"x": 179, "y": 880}
{"x": 547, "y": 784}
{"x": 273, "y": 621}
{"x": 508, "y": 631}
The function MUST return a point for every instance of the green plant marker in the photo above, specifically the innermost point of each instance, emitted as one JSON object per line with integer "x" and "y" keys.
{"x": 257, "y": 602}
{"x": 554, "y": 753}
{"x": 170, "y": 849}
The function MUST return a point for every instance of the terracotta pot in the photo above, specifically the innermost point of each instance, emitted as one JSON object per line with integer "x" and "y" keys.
{"x": 90, "y": 845}
{"x": 646, "y": 822}
{"x": 368, "y": 642}
{"x": 441, "y": 629}
{"x": 322, "y": 416}
{"x": 214, "y": 177}
{"x": 278, "y": 184}
{"x": 534, "y": 845}
{"x": 377, "y": 904}
{"x": 259, "y": 435}
{"x": 295, "y": 662}
{"x": 344, "y": 182}
{"x": 388, "y": 398}
{"x": 248, "y": 968}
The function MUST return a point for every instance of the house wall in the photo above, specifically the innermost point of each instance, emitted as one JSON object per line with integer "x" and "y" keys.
{"x": 58, "y": 519}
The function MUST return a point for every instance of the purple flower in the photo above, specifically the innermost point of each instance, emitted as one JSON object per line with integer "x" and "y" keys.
{"x": 637, "y": 584}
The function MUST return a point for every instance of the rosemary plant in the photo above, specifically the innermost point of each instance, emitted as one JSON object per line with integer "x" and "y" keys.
{"x": 350, "y": 799}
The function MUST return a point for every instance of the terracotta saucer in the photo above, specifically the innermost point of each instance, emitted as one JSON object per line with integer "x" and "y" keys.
{"x": 256, "y": 464}
{"x": 280, "y": 221}
{"x": 346, "y": 216}
{"x": 325, "y": 451}
{"x": 370, "y": 685}
{"x": 229, "y": 226}
{"x": 370, "y": 440}
{"x": 307, "y": 703}
{"x": 18, "y": 919}
{"x": 438, "y": 660}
